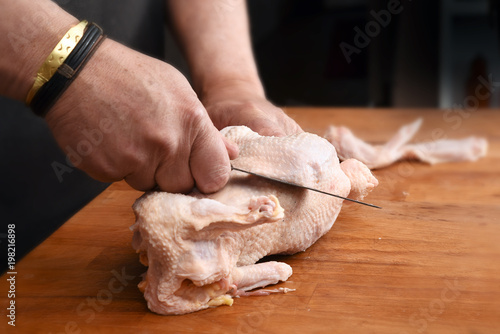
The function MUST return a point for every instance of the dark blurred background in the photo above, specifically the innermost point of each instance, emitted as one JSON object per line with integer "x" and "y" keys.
{"x": 309, "y": 53}
{"x": 429, "y": 54}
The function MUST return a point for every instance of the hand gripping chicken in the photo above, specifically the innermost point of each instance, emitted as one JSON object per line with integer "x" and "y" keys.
{"x": 201, "y": 250}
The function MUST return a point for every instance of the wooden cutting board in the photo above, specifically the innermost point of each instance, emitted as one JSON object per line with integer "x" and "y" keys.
{"x": 428, "y": 262}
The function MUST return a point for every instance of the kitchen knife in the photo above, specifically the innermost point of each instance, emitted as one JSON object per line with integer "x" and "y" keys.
{"x": 303, "y": 187}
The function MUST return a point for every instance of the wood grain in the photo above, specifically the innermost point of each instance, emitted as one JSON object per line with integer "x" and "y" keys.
{"x": 428, "y": 262}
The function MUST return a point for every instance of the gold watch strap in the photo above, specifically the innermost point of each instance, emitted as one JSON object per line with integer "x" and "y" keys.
{"x": 57, "y": 58}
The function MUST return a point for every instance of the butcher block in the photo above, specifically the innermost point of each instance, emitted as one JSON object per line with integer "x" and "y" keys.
{"x": 428, "y": 262}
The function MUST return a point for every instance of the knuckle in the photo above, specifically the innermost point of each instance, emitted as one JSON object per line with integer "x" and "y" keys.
{"x": 193, "y": 113}
{"x": 163, "y": 145}
{"x": 251, "y": 106}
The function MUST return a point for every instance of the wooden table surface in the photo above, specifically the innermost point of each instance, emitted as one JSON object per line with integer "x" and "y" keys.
{"x": 428, "y": 262}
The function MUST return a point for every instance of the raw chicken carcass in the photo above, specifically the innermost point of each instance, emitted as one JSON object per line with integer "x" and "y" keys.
{"x": 377, "y": 156}
{"x": 202, "y": 250}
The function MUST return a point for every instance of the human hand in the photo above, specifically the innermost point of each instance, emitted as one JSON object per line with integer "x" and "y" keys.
{"x": 223, "y": 68}
{"x": 242, "y": 104}
{"x": 156, "y": 132}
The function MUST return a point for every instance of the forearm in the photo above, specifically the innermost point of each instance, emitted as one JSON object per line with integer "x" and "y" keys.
{"x": 216, "y": 41}
{"x": 29, "y": 30}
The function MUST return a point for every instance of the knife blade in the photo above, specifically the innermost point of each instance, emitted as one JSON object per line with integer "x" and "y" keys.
{"x": 303, "y": 187}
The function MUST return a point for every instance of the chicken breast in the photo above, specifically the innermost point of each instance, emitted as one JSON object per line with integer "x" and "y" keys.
{"x": 202, "y": 250}
{"x": 397, "y": 148}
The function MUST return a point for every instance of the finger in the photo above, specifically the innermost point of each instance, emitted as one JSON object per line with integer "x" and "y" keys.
{"x": 100, "y": 176}
{"x": 209, "y": 160}
{"x": 142, "y": 180}
{"x": 271, "y": 131}
{"x": 287, "y": 124}
{"x": 174, "y": 176}
{"x": 231, "y": 147}
{"x": 293, "y": 128}
{"x": 267, "y": 128}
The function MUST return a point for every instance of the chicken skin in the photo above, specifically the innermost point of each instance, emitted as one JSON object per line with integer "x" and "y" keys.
{"x": 201, "y": 250}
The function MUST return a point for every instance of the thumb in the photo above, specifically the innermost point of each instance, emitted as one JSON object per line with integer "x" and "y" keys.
{"x": 209, "y": 161}
{"x": 231, "y": 147}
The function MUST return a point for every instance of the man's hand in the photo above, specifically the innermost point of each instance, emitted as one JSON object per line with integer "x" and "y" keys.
{"x": 241, "y": 104}
{"x": 222, "y": 65}
{"x": 133, "y": 117}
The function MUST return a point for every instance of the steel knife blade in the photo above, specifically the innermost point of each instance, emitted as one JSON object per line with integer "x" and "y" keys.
{"x": 303, "y": 187}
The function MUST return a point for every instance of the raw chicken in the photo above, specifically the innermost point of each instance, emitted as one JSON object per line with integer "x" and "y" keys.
{"x": 378, "y": 156}
{"x": 202, "y": 249}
